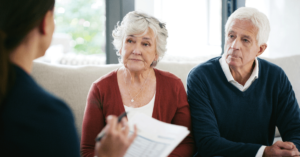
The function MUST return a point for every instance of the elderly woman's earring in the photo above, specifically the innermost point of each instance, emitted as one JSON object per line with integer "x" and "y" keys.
{"x": 153, "y": 63}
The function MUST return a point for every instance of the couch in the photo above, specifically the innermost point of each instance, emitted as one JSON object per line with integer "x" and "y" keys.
{"x": 72, "y": 83}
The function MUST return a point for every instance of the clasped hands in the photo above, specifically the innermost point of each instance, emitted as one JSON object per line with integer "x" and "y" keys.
{"x": 281, "y": 149}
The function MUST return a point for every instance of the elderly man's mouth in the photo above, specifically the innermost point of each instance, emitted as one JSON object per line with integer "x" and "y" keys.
{"x": 234, "y": 57}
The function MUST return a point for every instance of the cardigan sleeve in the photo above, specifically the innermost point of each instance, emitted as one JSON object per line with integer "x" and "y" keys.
{"x": 205, "y": 127}
{"x": 93, "y": 122}
{"x": 288, "y": 112}
{"x": 183, "y": 117}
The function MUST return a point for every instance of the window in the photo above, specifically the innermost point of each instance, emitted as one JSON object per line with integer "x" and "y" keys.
{"x": 285, "y": 23}
{"x": 194, "y": 27}
{"x": 79, "y": 36}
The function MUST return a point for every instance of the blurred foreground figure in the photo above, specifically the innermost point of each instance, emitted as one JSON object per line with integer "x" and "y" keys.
{"x": 33, "y": 122}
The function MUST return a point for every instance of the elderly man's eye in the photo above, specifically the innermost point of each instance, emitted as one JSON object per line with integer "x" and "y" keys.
{"x": 246, "y": 40}
{"x": 129, "y": 41}
{"x": 231, "y": 36}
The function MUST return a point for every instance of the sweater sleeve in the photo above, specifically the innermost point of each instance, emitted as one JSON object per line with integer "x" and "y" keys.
{"x": 288, "y": 112}
{"x": 205, "y": 126}
{"x": 183, "y": 117}
{"x": 93, "y": 122}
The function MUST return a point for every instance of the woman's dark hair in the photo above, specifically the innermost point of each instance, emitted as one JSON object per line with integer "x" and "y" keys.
{"x": 17, "y": 19}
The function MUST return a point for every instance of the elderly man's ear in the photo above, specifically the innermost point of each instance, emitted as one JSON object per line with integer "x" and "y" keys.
{"x": 262, "y": 49}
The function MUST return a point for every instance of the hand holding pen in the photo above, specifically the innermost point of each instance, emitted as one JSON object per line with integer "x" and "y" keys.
{"x": 114, "y": 137}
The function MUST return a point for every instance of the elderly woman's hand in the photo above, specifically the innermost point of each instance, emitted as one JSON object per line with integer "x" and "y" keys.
{"x": 116, "y": 140}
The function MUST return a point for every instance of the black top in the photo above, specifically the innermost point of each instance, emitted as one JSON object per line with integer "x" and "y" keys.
{"x": 35, "y": 123}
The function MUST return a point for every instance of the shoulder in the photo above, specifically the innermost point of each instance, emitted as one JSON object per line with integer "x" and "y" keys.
{"x": 103, "y": 87}
{"x": 38, "y": 111}
{"x": 30, "y": 97}
{"x": 273, "y": 76}
{"x": 165, "y": 74}
{"x": 167, "y": 77}
{"x": 106, "y": 79}
{"x": 266, "y": 64}
{"x": 44, "y": 117}
{"x": 31, "y": 102}
{"x": 205, "y": 68}
{"x": 106, "y": 82}
{"x": 269, "y": 69}
{"x": 168, "y": 83}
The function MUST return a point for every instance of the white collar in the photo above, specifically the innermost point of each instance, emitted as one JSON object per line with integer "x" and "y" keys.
{"x": 229, "y": 76}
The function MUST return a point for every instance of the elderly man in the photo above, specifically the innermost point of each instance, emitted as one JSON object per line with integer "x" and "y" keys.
{"x": 237, "y": 99}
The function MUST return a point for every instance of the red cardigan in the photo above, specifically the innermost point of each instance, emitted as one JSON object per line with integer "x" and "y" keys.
{"x": 104, "y": 99}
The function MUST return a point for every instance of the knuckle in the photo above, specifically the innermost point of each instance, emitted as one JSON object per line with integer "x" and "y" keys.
{"x": 275, "y": 152}
{"x": 112, "y": 134}
{"x": 109, "y": 133}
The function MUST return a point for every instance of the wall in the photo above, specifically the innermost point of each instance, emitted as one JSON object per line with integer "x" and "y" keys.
{"x": 284, "y": 16}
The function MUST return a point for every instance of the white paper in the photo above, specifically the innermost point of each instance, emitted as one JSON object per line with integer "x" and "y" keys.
{"x": 155, "y": 138}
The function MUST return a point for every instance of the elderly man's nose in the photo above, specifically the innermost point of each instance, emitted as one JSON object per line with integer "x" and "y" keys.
{"x": 235, "y": 44}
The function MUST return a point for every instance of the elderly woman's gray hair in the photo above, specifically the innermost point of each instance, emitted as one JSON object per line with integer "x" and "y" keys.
{"x": 136, "y": 23}
{"x": 258, "y": 19}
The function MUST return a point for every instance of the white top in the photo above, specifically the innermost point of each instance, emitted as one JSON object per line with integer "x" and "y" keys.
{"x": 147, "y": 109}
{"x": 242, "y": 88}
{"x": 230, "y": 78}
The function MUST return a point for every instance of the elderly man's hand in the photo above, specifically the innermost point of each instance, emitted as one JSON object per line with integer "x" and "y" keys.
{"x": 116, "y": 140}
{"x": 281, "y": 149}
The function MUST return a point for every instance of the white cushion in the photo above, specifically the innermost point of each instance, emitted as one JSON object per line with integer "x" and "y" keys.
{"x": 291, "y": 66}
{"x": 72, "y": 84}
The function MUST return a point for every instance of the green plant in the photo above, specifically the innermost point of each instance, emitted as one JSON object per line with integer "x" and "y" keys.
{"x": 84, "y": 21}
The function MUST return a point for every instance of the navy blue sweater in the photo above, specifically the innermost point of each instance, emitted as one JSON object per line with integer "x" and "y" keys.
{"x": 228, "y": 122}
{"x": 34, "y": 123}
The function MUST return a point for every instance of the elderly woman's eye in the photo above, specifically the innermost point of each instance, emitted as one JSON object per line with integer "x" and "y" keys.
{"x": 231, "y": 36}
{"x": 146, "y": 44}
{"x": 129, "y": 41}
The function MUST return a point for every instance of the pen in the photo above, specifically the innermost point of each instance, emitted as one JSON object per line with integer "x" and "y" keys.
{"x": 99, "y": 137}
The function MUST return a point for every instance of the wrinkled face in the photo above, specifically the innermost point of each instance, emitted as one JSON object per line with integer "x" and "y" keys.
{"x": 139, "y": 51}
{"x": 241, "y": 46}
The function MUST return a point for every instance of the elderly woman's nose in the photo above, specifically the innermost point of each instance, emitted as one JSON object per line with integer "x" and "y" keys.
{"x": 235, "y": 44}
{"x": 137, "y": 50}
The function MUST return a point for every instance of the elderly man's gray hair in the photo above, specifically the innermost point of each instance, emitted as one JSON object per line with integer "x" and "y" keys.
{"x": 258, "y": 19}
{"x": 136, "y": 23}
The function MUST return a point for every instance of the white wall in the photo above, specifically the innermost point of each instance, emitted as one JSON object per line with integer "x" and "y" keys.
{"x": 146, "y": 6}
{"x": 285, "y": 26}
{"x": 192, "y": 34}
{"x": 284, "y": 16}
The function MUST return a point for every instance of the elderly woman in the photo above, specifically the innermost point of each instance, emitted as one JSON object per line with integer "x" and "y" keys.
{"x": 140, "y": 41}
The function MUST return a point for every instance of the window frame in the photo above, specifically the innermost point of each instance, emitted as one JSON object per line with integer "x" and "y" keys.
{"x": 115, "y": 11}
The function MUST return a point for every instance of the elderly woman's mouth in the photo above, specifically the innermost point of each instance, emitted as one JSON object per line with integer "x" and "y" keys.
{"x": 135, "y": 59}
